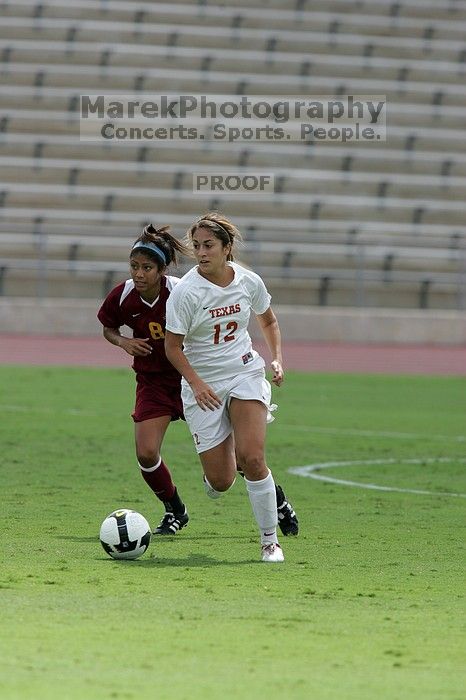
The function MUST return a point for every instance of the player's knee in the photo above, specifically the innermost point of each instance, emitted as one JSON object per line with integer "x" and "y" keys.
{"x": 222, "y": 482}
{"x": 254, "y": 466}
{"x": 147, "y": 458}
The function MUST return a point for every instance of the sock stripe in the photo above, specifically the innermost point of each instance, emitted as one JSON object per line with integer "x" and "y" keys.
{"x": 151, "y": 469}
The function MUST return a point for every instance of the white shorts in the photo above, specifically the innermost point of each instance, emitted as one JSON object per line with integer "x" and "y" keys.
{"x": 210, "y": 428}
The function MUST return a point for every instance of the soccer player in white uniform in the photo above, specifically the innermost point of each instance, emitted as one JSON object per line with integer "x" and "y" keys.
{"x": 226, "y": 397}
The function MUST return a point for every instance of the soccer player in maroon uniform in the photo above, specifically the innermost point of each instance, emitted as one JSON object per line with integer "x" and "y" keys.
{"x": 139, "y": 303}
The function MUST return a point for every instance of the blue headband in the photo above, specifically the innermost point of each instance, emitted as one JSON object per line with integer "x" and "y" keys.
{"x": 151, "y": 246}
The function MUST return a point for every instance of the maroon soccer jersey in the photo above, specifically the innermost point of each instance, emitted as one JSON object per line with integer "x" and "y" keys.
{"x": 124, "y": 306}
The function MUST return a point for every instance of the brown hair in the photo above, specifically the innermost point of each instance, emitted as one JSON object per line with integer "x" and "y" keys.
{"x": 220, "y": 226}
{"x": 160, "y": 245}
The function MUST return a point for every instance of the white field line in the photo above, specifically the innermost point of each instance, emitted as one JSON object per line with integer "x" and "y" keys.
{"x": 310, "y": 470}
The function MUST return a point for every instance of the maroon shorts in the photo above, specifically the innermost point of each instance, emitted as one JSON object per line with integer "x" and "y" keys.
{"x": 157, "y": 396}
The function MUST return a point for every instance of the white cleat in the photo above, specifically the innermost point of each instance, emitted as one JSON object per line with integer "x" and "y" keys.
{"x": 272, "y": 552}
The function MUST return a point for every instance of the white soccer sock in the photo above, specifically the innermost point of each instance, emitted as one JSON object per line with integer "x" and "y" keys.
{"x": 151, "y": 469}
{"x": 264, "y": 506}
{"x": 210, "y": 491}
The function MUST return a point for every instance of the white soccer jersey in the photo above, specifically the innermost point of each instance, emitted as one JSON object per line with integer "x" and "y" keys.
{"x": 214, "y": 321}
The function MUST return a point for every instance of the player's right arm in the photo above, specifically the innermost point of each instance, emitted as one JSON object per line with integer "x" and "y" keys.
{"x": 205, "y": 397}
{"x": 133, "y": 346}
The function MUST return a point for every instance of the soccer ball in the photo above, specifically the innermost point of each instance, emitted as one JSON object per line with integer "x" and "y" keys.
{"x": 125, "y": 534}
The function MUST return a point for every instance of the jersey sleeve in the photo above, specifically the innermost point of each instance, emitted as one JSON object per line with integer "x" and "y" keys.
{"x": 261, "y": 299}
{"x": 171, "y": 282}
{"x": 109, "y": 313}
{"x": 178, "y": 316}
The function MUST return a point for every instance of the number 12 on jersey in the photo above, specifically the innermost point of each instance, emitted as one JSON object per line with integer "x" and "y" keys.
{"x": 229, "y": 332}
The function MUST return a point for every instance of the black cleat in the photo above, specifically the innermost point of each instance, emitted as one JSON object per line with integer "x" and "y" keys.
{"x": 171, "y": 523}
{"x": 287, "y": 520}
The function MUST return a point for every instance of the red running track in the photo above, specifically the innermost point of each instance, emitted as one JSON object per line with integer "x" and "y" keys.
{"x": 311, "y": 357}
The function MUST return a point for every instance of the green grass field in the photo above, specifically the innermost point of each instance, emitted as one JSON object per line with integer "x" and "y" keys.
{"x": 369, "y": 604}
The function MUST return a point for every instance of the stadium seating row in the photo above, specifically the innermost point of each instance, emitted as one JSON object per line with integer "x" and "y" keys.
{"x": 343, "y": 158}
{"x": 169, "y": 77}
{"x": 283, "y": 255}
{"x": 398, "y": 19}
{"x": 98, "y": 52}
{"x": 118, "y": 225}
{"x": 328, "y": 286}
{"x": 312, "y": 207}
{"x": 286, "y": 180}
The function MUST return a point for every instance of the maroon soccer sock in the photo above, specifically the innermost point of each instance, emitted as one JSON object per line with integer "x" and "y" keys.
{"x": 160, "y": 481}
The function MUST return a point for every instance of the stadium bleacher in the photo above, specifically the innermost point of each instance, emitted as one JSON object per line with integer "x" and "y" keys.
{"x": 376, "y": 224}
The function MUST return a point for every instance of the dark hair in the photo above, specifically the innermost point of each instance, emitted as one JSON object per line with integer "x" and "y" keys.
{"x": 220, "y": 226}
{"x": 160, "y": 245}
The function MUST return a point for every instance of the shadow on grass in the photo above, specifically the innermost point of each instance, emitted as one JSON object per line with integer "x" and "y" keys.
{"x": 197, "y": 538}
{"x": 164, "y": 538}
{"x": 158, "y": 560}
{"x": 190, "y": 561}
{"x": 74, "y": 538}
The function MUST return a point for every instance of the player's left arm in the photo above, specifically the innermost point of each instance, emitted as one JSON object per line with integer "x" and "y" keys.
{"x": 136, "y": 347}
{"x": 271, "y": 331}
